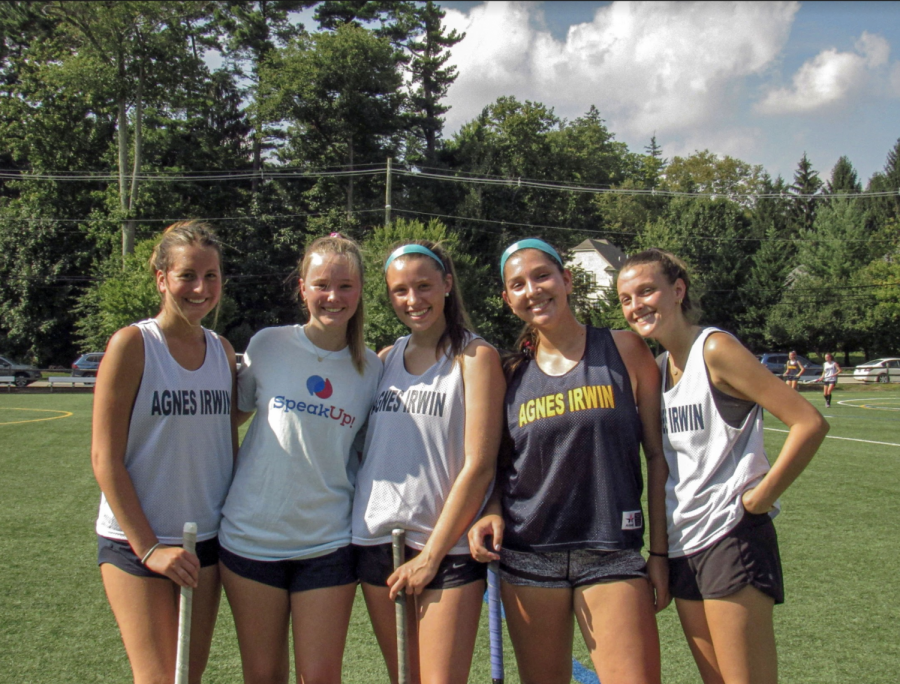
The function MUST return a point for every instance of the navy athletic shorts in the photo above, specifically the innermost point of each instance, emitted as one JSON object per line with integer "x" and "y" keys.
{"x": 334, "y": 569}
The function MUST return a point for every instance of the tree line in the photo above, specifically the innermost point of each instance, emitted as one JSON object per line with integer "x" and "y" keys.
{"x": 113, "y": 124}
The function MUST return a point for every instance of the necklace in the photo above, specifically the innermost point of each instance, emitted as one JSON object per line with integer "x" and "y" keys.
{"x": 316, "y": 350}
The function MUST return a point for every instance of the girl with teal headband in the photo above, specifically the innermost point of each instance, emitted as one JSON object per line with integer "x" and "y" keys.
{"x": 429, "y": 459}
{"x": 566, "y": 520}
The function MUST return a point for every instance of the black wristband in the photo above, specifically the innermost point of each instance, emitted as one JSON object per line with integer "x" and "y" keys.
{"x": 659, "y": 555}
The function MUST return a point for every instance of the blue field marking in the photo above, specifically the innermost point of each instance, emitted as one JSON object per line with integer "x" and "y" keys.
{"x": 580, "y": 673}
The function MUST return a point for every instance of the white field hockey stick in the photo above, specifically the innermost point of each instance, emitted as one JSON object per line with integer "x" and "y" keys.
{"x": 398, "y": 544}
{"x": 495, "y": 622}
{"x": 183, "y": 656}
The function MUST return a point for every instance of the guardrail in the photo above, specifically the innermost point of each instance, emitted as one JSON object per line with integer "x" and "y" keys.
{"x": 71, "y": 380}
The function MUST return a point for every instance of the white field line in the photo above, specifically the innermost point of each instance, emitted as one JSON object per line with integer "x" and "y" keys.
{"x": 873, "y": 400}
{"x": 846, "y": 439}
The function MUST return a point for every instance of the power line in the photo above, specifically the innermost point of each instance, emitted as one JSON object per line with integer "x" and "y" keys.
{"x": 596, "y": 189}
{"x": 539, "y": 226}
{"x": 423, "y": 172}
{"x": 211, "y": 219}
{"x": 180, "y": 178}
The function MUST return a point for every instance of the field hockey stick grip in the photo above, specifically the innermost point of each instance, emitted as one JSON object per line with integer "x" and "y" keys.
{"x": 183, "y": 655}
{"x": 495, "y": 622}
{"x": 398, "y": 546}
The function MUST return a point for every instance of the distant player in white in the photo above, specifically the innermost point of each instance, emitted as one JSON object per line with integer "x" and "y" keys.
{"x": 724, "y": 566}
{"x": 830, "y": 371}
{"x": 163, "y": 451}
{"x": 286, "y": 560}
{"x": 430, "y": 455}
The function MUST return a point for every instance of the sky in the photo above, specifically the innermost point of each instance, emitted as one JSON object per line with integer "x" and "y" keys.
{"x": 760, "y": 81}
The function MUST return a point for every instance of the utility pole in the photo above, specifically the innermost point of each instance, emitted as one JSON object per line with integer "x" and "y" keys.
{"x": 387, "y": 195}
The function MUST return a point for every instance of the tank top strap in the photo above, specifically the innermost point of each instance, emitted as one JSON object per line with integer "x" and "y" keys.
{"x": 215, "y": 350}
{"x": 395, "y": 355}
{"x": 601, "y": 351}
{"x": 156, "y": 351}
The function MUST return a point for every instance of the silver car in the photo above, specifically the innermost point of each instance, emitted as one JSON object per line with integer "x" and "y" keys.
{"x": 24, "y": 374}
{"x": 878, "y": 370}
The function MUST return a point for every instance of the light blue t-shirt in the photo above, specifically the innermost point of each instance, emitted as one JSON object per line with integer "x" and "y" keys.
{"x": 293, "y": 487}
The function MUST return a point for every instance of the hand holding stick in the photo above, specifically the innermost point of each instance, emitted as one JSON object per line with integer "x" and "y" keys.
{"x": 183, "y": 657}
{"x": 398, "y": 542}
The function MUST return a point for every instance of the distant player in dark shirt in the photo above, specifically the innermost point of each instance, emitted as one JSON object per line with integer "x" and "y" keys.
{"x": 793, "y": 370}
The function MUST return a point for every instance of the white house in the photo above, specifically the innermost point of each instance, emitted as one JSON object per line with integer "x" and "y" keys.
{"x": 599, "y": 261}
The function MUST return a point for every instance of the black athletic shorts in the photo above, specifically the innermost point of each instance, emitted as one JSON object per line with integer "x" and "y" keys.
{"x": 374, "y": 564}
{"x": 748, "y": 555}
{"x": 334, "y": 569}
{"x": 120, "y": 554}
{"x": 570, "y": 569}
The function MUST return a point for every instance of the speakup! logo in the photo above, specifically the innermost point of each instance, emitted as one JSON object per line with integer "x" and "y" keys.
{"x": 321, "y": 387}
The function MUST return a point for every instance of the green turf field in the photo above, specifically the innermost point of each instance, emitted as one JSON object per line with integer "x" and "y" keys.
{"x": 839, "y": 623}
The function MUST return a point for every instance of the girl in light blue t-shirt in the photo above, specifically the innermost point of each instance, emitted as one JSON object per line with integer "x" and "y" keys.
{"x": 285, "y": 536}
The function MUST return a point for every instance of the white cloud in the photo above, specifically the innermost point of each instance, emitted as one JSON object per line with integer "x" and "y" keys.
{"x": 828, "y": 79}
{"x": 668, "y": 67}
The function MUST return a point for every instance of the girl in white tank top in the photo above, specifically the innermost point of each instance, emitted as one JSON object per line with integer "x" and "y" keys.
{"x": 429, "y": 460}
{"x": 717, "y": 469}
{"x": 162, "y": 454}
{"x": 830, "y": 371}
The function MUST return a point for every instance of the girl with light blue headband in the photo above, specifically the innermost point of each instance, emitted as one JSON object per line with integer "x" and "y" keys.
{"x": 566, "y": 520}
{"x": 528, "y": 243}
{"x": 429, "y": 458}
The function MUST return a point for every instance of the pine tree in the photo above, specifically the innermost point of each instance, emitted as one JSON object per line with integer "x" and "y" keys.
{"x": 806, "y": 185}
{"x": 844, "y": 178}
{"x": 770, "y": 264}
{"x": 252, "y": 30}
{"x": 654, "y": 163}
{"x": 431, "y": 77}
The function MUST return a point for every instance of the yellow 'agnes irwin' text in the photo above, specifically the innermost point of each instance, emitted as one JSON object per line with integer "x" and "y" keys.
{"x": 577, "y": 399}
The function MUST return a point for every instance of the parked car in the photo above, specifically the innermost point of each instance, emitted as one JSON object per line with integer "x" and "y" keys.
{"x": 879, "y": 370}
{"x": 23, "y": 373}
{"x": 86, "y": 365}
{"x": 775, "y": 363}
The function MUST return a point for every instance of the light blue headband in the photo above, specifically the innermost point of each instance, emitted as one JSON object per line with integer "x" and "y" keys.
{"x": 412, "y": 249}
{"x": 530, "y": 243}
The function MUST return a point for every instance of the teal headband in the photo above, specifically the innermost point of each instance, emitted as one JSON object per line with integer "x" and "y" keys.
{"x": 530, "y": 243}
{"x": 412, "y": 249}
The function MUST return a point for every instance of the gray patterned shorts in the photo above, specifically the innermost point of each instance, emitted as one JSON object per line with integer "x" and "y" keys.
{"x": 570, "y": 569}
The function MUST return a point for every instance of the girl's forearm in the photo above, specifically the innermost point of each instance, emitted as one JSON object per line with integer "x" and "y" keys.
{"x": 462, "y": 505}
{"x": 802, "y": 442}
{"x": 120, "y": 493}
{"x": 657, "y": 474}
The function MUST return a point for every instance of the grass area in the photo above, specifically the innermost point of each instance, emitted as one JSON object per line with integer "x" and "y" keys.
{"x": 838, "y": 624}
